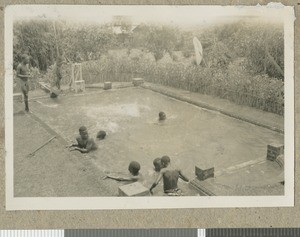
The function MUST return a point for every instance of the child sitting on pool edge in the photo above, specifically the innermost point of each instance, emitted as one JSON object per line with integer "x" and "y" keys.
{"x": 85, "y": 144}
{"x": 133, "y": 176}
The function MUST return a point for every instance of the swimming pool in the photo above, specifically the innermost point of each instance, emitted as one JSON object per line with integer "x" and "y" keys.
{"x": 190, "y": 136}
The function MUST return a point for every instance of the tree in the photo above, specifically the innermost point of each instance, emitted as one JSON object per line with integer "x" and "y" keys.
{"x": 89, "y": 41}
{"x": 34, "y": 37}
{"x": 156, "y": 39}
{"x": 262, "y": 44}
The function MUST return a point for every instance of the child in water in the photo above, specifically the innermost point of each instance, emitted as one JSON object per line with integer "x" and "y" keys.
{"x": 157, "y": 164}
{"x": 85, "y": 144}
{"x": 133, "y": 176}
{"x": 170, "y": 178}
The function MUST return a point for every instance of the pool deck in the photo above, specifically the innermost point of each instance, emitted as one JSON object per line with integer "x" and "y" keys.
{"x": 83, "y": 178}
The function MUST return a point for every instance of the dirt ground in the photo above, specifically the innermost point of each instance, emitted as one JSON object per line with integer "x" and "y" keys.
{"x": 190, "y": 136}
{"x": 53, "y": 171}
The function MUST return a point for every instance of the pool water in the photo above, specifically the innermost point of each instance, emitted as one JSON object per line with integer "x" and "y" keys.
{"x": 190, "y": 135}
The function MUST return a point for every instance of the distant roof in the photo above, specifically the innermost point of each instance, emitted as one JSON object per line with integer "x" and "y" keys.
{"x": 118, "y": 29}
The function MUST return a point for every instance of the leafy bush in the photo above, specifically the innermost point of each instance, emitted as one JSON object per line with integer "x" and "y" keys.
{"x": 234, "y": 83}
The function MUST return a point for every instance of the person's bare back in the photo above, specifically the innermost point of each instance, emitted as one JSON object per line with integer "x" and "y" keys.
{"x": 170, "y": 177}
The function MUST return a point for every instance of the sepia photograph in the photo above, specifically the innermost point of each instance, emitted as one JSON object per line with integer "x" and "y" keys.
{"x": 137, "y": 107}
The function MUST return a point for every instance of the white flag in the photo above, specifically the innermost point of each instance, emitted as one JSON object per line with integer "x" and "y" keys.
{"x": 198, "y": 50}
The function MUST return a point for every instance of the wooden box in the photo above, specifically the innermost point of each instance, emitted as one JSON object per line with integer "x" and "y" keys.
{"x": 133, "y": 189}
{"x": 204, "y": 174}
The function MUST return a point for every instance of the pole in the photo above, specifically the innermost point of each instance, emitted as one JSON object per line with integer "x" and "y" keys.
{"x": 41, "y": 146}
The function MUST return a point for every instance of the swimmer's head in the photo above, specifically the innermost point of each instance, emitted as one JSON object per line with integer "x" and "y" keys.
{"x": 157, "y": 164}
{"x": 83, "y": 132}
{"x": 165, "y": 161}
{"x": 101, "y": 135}
{"x": 162, "y": 116}
{"x": 134, "y": 168}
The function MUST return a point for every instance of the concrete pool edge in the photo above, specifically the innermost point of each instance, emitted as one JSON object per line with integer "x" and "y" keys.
{"x": 177, "y": 94}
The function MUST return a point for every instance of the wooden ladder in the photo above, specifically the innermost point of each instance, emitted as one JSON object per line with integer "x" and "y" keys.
{"x": 77, "y": 83}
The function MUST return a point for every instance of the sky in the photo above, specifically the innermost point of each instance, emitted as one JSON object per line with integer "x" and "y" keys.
{"x": 178, "y": 15}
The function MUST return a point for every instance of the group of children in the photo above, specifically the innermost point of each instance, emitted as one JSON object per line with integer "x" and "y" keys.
{"x": 85, "y": 144}
{"x": 169, "y": 175}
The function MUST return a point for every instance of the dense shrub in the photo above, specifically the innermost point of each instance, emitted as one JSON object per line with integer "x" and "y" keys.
{"x": 233, "y": 83}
